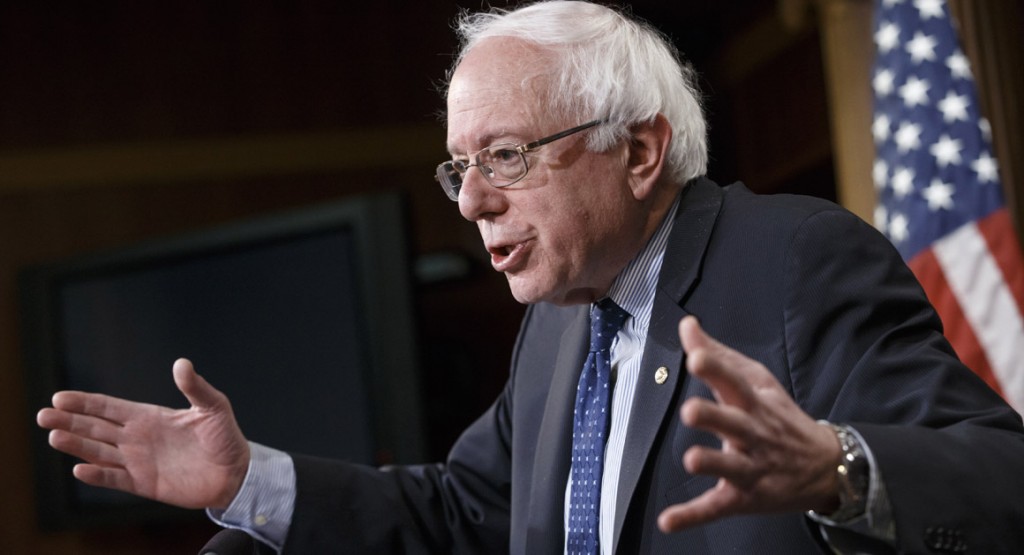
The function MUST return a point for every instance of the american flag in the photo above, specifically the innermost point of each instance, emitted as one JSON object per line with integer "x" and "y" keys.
{"x": 940, "y": 198}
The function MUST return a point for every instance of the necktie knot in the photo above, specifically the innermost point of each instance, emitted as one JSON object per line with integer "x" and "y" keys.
{"x": 606, "y": 319}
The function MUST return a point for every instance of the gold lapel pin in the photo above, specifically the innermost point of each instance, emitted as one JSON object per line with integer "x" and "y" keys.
{"x": 660, "y": 375}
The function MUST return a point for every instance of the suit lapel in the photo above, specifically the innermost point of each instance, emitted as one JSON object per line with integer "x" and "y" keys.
{"x": 680, "y": 270}
{"x": 551, "y": 466}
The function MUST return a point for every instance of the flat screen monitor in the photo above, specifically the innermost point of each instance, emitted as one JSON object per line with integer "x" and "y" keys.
{"x": 304, "y": 319}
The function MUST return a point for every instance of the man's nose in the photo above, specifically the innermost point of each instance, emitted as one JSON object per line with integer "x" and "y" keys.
{"x": 477, "y": 197}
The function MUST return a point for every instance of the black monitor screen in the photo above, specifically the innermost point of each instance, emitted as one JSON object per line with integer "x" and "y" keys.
{"x": 296, "y": 318}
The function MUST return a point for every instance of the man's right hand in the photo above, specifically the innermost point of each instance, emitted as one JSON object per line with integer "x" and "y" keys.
{"x": 192, "y": 458}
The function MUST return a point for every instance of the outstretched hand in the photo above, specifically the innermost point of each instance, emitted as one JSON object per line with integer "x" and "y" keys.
{"x": 774, "y": 457}
{"x": 192, "y": 458}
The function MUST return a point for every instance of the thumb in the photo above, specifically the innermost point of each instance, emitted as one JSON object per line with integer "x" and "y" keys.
{"x": 197, "y": 390}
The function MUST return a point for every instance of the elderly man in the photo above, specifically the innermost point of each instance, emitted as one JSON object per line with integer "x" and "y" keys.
{"x": 820, "y": 409}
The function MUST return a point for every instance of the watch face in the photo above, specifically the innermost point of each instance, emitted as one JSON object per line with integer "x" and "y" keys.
{"x": 858, "y": 469}
{"x": 853, "y": 474}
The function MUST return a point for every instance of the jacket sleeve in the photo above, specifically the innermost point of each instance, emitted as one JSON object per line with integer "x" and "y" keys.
{"x": 948, "y": 449}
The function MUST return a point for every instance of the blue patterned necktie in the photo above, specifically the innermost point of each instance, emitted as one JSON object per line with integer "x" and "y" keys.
{"x": 590, "y": 429}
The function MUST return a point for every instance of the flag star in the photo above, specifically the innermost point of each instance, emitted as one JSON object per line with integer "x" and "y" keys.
{"x": 946, "y": 150}
{"x": 898, "y": 231}
{"x": 881, "y": 128}
{"x": 908, "y": 137}
{"x": 953, "y": 107}
{"x": 881, "y": 216}
{"x": 986, "y": 129}
{"x": 887, "y": 37}
{"x": 958, "y": 65}
{"x": 929, "y": 8}
{"x": 902, "y": 182}
{"x": 922, "y": 47}
{"x": 986, "y": 168}
{"x": 880, "y": 173}
{"x": 883, "y": 82}
{"x": 939, "y": 195}
{"x": 914, "y": 91}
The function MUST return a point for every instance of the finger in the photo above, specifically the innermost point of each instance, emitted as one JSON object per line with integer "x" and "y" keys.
{"x": 727, "y": 422}
{"x": 106, "y": 407}
{"x": 88, "y": 450}
{"x": 197, "y": 390}
{"x": 80, "y": 425}
{"x": 733, "y": 466}
{"x": 104, "y": 476}
{"x": 692, "y": 334}
{"x": 49, "y": 418}
{"x": 726, "y": 371}
{"x": 716, "y": 503}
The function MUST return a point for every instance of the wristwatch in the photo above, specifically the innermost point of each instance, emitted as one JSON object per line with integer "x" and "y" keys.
{"x": 853, "y": 474}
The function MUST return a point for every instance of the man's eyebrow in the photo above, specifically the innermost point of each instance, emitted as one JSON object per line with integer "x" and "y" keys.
{"x": 488, "y": 139}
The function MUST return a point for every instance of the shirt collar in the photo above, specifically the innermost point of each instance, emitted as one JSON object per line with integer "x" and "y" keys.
{"x": 633, "y": 289}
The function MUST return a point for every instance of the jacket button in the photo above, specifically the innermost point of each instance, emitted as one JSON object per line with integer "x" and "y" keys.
{"x": 945, "y": 540}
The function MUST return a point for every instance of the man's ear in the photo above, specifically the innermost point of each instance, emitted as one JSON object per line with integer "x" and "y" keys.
{"x": 648, "y": 147}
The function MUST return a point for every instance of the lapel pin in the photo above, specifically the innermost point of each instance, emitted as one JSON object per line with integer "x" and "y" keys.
{"x": 660, "y": 375}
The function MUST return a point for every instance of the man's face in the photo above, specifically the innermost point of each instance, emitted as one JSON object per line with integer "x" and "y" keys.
{"x": 563, "y": 232}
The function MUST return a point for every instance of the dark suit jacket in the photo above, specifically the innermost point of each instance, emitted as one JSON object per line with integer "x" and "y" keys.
{"x": 799, "y": 284}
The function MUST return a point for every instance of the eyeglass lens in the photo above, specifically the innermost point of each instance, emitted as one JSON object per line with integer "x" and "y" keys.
{"x": 500, "y": 164}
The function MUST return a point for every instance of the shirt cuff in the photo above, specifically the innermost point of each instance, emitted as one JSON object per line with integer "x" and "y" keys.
{"x": 264, "y": 505}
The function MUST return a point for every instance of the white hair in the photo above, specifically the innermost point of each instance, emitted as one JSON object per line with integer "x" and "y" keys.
{"x": 607, "y": 66}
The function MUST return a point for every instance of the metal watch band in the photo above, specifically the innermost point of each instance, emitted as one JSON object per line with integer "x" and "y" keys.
{"x": 853, "y": 475}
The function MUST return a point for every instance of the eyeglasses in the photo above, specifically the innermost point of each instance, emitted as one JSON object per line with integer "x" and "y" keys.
{"x": 501, "y": 164}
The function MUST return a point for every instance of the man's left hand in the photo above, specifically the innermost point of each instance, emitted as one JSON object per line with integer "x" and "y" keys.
{"x": 774, "y": 457}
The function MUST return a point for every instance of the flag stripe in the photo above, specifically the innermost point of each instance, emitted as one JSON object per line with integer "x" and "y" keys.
{"x": 977, "y": 282}
{"x": 955, "y": 327}
{"x": 1002, "y": 241}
